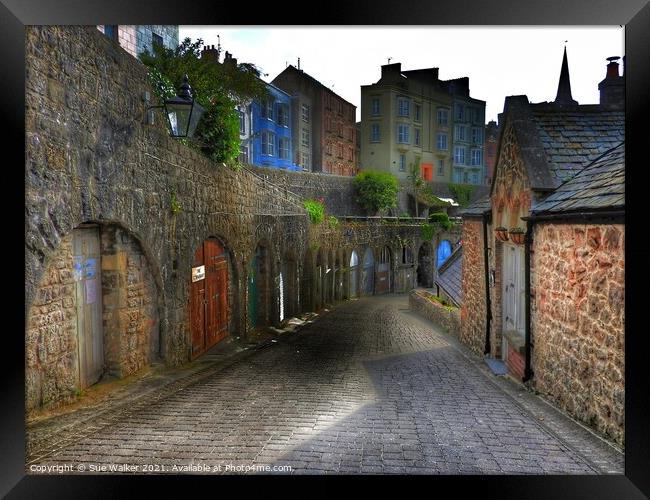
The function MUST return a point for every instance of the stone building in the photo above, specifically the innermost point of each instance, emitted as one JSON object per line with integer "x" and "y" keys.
{"x": 136, "y": 39}
{"x": 324, "y": 134}
{"x": 138, "y": 248}
{"x": 490, "y": 152}
{"x": 544, "y": 271}
{"x": 414, "y": 118}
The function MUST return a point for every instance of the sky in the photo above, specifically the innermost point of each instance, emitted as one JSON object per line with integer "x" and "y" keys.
{"x": 499, "y": 61}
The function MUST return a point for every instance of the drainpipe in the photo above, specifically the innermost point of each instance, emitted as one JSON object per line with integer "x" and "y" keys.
{"x": 488, "y": 301}
{"x": 528, "y": 238}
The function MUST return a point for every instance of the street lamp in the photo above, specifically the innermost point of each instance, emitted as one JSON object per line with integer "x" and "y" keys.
{"x": 183, "y": 112}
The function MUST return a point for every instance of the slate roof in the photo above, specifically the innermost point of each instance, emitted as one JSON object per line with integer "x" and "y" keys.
{"x": 450, "y": 275}
{"x": 574, "y": 137}
{"x": 599, "y": 186}
{"x": 478, "y": 208}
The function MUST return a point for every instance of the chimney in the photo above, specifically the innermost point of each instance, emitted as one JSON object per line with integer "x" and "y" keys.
{"x": 612, "y": 88}
{"x": 211, "y": 53}
{"x": 229, "y": 60}
{"x": 391, "y": 72}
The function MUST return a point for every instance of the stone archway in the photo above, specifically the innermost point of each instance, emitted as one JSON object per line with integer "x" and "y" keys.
{"x": 95, "y": 314}
{"x": 354, "y": 275}
{"x": 260, "y": 284}
{"x": 368, "y": 273}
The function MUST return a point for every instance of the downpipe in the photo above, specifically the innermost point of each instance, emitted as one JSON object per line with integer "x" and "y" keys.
{"x": 528, "y": 238}
{"x": 488, "y": 302}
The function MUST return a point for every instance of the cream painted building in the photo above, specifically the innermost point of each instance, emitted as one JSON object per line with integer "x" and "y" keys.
{"x": 414, "y": 118}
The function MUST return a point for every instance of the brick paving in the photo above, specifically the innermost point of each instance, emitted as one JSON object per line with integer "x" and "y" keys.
{"x": 368, "y": 388}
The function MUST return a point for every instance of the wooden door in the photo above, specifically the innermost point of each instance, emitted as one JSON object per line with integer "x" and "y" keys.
{"x": 88, "y": 290}
{"x": 383, "y": 272}
{"x": 368, "y": 273}
{"x": 208, "y": 297}
{"x": 513, "y": 292}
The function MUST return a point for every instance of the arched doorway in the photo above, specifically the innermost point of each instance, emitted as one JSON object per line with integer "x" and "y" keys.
{"x": 383, "y": 271}
{"x": 442, "y": 253}
{"x": 208, "y": 296}
{"x": 338, "y": 278}
{"x": 425, "y": 265}
{"x": 259, "y": 288}
{"x": 289, "y": 287}
{"x": 354, "y": 274}
{"x": 318, "y": 281}
{"x": 368, "y": 273}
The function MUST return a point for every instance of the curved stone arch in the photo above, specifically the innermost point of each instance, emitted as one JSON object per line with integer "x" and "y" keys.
{"x": 354, "y": 275}
{"x": 290, "y": 290}
{"x": 116, "y": 273}
{"x": 262, "y": 282}
{"x": 367, "y": 285}
{"x": 425, "y": 265}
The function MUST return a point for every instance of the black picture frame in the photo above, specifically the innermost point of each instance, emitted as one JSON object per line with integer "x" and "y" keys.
{"x": 633, "y": 14}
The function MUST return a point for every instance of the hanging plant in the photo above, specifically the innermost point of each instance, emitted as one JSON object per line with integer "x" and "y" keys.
{"x": 501, "y": 233}
{"x": 517, "y": 235}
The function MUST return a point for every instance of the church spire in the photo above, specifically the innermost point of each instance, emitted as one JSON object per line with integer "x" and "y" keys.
{"x": 563, "y": 97}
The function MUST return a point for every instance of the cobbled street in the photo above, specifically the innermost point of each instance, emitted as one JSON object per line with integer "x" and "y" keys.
{"x": 369, "y": 387}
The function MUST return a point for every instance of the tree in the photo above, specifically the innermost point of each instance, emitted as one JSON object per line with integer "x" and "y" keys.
{"x": 217, "y": 87}
{"x": 417, "y": 183}
{"x": 376, "y": 191}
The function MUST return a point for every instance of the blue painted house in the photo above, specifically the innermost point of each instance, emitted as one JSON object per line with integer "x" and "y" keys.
{"x": 271, "y": 131}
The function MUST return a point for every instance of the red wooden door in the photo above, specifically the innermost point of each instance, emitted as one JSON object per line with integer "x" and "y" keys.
{"x": 208, "y": 297}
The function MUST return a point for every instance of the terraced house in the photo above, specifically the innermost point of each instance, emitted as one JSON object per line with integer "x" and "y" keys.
{"x": 544, "y": 271}
{"x": 414, "y": 118}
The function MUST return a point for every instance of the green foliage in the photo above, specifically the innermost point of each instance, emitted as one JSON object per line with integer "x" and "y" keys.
{"x": 376, "y": 191}
{"x": 426, "y": 231}
{"x": 442, "y": 220}
{"x": 405, "y": 217}
{"x": 216, "y": 87}
{"x": 316, "y": 211}
{"x": 462, "y": 193}
{"x": 175, "y": 204}
{"x": 333, "y": 222}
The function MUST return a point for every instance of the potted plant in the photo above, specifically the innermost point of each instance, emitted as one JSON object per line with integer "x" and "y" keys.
{"x": 501, "y": 233}
{"x": 517, "y": 235}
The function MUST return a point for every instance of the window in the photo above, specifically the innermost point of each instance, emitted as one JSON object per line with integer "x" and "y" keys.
{"x": 374, "y": 133}
{"x": 441, "y": 167}
{"x": 305, "y": 137}
{"x": 283, "y": 150}
{"x": 417, "y": 136}
{"x": 416, "y": 112}
{"x": 443, "y": 117}
{"x": 305, "y": 113}
{"x": 340, "y": 130}
{"x": 242, "y": 123}
{"x": 459, "y": 133}
{"x": 402, "y": 133}
{"x": 110, "y": 30}
{"x": 475, "y": 178}
{"x": 477, "y": 135}
{"x": 328, "y": 149}
{"x": 269, "y": 109}
{"x": 283, "y": 115}
{"x": 375, "y": 106}
{"x": 350, "y": 154}
{"x": 407, "y": 255}
{"x": 305, "y": 161}
{"x": 442, "y": 142}
{"x": 402, "y": 107}
{"x": 402, "y": 163}
{"x": 477, "y": 157}
{"x": 340, "y": 151}
{"x": 156, "y": 39}
{"x": 328, "y": 124}
{"x": 268, "y": 143}
{"x": 459, "y": 155}
{"x": 460, "y": 114}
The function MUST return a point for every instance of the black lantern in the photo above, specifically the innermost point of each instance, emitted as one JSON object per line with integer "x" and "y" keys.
{"x": 183, "y": 112}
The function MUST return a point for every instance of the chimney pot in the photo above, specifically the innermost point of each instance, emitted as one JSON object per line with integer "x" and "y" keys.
{"x": 612, "y": 67}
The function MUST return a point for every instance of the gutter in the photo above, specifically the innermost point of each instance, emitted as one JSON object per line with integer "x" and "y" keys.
{"x": 572, "y": 217}
{"x": 486, "y": 267}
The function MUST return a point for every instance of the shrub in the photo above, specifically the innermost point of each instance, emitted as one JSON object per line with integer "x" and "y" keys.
{"x": 426, "y": 231}
{"x": 376, "y": 191}
{"x": 462, "y": 193}
{"x": 333, "y": 222}
{"x": 316, "y": 211}
{"x": 442, "y": 220}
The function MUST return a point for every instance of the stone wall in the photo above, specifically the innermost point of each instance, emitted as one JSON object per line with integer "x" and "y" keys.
{"x": 51, "y": 339}
{"x": 474, "y": 310}
{"x": 578, "y": 322}
{"x": 91, "y": 159}
{"x": 446, "y": 318}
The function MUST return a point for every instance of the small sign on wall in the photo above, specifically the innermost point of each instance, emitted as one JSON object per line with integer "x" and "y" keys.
{"x": 198, "y": 273}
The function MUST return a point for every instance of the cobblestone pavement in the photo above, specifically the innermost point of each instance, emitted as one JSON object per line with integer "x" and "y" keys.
{"x": 367, "y": 388}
